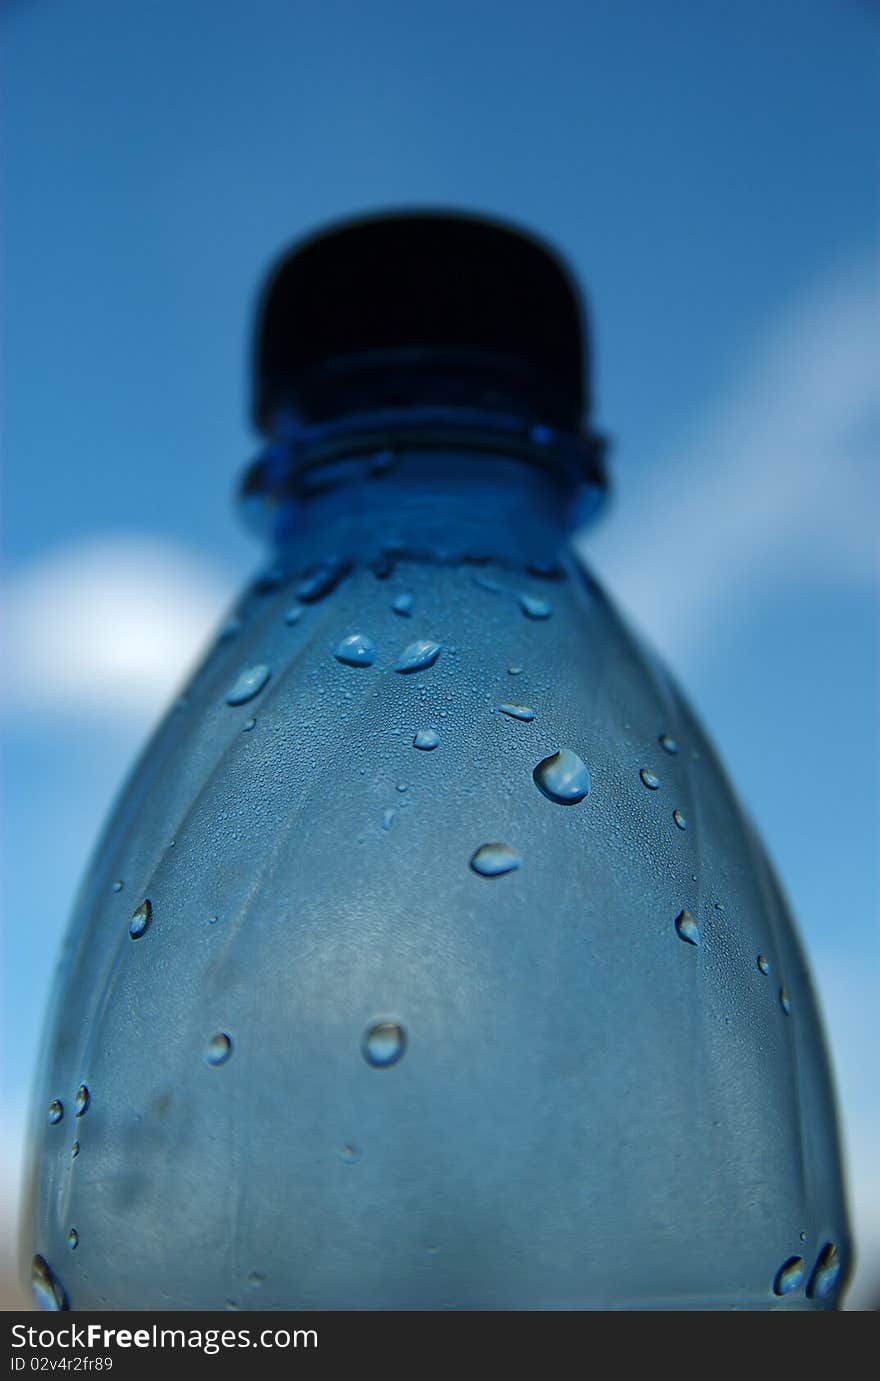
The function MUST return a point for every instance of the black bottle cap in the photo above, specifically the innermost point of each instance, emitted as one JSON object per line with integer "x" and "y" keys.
{"x": 415, "y": 310}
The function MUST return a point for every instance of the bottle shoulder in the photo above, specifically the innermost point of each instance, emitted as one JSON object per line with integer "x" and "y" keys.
{"x": 446, "y": 826}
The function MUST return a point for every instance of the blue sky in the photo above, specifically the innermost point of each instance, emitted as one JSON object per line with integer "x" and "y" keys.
{"x": 709, "y": 171}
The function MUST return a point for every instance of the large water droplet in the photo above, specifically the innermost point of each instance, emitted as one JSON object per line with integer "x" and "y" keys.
{"x": 493, "y": 860}
{"x": 789, "y": 1276}
{"x": 229, "y": 630}
{"x": 294, "y": 614}
{"x": 649, "y": 779}
{"x": 218, "y": 1049}
{"x": 249, "y": 683}
{"x": 383, "y": 1044}
{"x": 785, "y": 1001}
{"x": 357, "y": 650}
{"x": 763, "y": 964}
{"x": 320, "y": 581}
{"x": 140, "y": 920}
{"x": 668, "y": 744}
{"x": 826, "y": 1273}
{"x": 563, "y": 777}
{"x": 48, "y": 1291}
{"x": 82, "y": 1100}
{"x": 349, "y": 1154}
{"x": 680, "y": 819}
{"x": 534, "y": 608}
{"x": 417, "y": 656}
{"x": 388, "y": 818}
{"x": 523, "y": 712}
{"x": 74, "y": 1150}
{"x": 117, "y": 886}
{"x": 73, "y": 1239}
{"x": 515, "y": 670}
{"x": 428, "y": 739}
{"x": 56, "y": 1111}
{"x": 402, "y": 604}
{"x": 687, "y": 928}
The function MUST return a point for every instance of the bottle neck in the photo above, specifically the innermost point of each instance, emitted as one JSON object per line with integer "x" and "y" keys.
{"x": 433, "y": 486}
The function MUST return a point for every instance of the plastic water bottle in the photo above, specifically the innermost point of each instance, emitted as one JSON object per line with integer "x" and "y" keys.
{"x": 428, "y": 960}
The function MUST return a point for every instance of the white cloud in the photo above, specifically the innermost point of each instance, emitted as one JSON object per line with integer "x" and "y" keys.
{"x": 108, "y": 627}
{"x": 775, "y": 481}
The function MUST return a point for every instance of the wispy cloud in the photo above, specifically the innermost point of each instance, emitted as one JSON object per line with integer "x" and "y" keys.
{"x": 107, "y": 627}
{"x": 778, "y": 479}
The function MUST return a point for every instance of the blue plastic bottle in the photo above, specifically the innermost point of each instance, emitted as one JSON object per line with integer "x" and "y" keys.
{"x": 428, "y": 960}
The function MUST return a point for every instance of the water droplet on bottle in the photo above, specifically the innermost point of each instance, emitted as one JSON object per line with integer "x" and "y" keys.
{"x": 785, "y": 1001}
{"x": 763, "y": 964}
{"x": 515, "y": 670}
{"x": 387, "y": 819}
{"x": 417, "y": 656}
{"x": 383, "y": 1044}
{"x": 427, "y": 739}
{"x": 73, "y": 1239}
{"x": 650, "y": 780}
{"x": 320, "y": 581}
{"x": 248, "y": 725}
{"x": 74, "y": 1150}
{"x": 256, "y": 1279}
{"x": 249, "y": 683}
{"x": 82, "y": 1100}
{"x": 140, "y": 920}
{"x": 268, "y": 580}
{"x": 687, "y": 928}
{"x": 803, "y": 1237}
{"x": 826, "y": 1273}
{"x": 349, "y": 1154}
{"x": 534, "y": 608}
{"x": 668, "y": 744}
{"x": 523, "y": 712}
{"x": 563, "y": 777}
{"x": 493, "y": 860}
{"x": 49, "y": 1293}
{"x": 357, "y": 650}
{"x": 679, "y": 819}
{"x": 56, "y": 1111}
{"x": 789, "y": 1276}
{"x": 403, "y": 604}
{"x": 294, "y": 614}
{"x": 546, "y": 570}
{"x": 383, "y": 566}
{"x": 229, "y": 630}
{"x": 117, "y": 886}
{"x": 485, "y": 582}
{"x": 219, "y": 1049}
{"x": 382, "y": 462}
